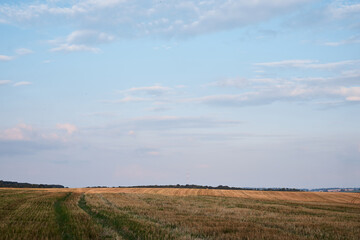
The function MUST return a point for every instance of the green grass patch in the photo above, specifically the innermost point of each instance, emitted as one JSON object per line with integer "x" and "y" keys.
{"x": 63, "y": 218}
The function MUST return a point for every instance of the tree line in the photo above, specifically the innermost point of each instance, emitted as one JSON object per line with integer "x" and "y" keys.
{"x": 8, "y": 184}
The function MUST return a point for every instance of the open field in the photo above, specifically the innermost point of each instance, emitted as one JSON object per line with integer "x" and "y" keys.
{"x": 140, "y": 213}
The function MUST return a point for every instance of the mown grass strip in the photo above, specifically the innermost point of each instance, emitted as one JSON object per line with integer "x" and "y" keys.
{"x": 63, "y": 218}
{"x": 126, "y": 227}
{"x": 11, "y": 203}
{"x": 165, "y": 231}
{"x": 104, "y": 220}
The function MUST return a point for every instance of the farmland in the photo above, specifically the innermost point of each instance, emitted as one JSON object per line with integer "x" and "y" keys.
{"x": 140, "y": 213}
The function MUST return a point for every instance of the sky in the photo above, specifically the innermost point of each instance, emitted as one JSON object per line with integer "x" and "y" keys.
{"x": 260, "y": 93}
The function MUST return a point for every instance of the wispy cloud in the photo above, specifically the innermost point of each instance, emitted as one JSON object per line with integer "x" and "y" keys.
{"x": 351, "y": 40}
{"x": 19, "y": 132}
{"x": 26, "y": 139}
{"x": 174, "y": 18}
{"x": 336, "y": 15}
{"x": 159, "y": 109}
{"x": 81, "y": 40}
{"x": 340, "y": 87}
{"x": 3, "y": 82}
{"x": 343, "y": 9}
{"x": 350, "y": 93}
{"x": 160, "y": 124}
{"x": 19, "y": 52}
{"x": 27, "y": 132}
{"x": 151, "y": 90}
{"x": 175, "y": 122}
{"x": 281, "y": 94}
{"x": 231, "y": 82}
{"x": 6, "y": 58}
{"x": 18, "y": 84}
{"x": 102, "y": 114}
{"x": 23, "y": 51}
{"x": 310, "y": 64}
{"x": 157, "y": 95}
{"x": 127, "y": 99}
{"x": 69, "y": 128}
{"x": 89, "y": 37}
{"x": 74, "y": 48}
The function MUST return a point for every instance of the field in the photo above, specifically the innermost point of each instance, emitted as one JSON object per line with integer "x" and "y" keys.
{"x": 131, "y": 213}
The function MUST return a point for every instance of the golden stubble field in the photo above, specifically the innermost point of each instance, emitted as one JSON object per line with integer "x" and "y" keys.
{"x": 325, "y": 197}
{"x": 160, "y": 213}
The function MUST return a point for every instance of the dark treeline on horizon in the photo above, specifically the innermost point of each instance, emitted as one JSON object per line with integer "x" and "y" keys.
{"x": 8, "y": 184}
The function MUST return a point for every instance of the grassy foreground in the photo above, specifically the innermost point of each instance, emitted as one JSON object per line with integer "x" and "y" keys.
{"x": 176, "y": 214}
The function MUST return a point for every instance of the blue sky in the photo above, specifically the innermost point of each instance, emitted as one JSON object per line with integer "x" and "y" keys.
{"x": 129, "y": 92}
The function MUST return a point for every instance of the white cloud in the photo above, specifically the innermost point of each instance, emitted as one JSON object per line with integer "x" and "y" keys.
{"x": 338, "y": 16}
{"x": 23, "y": 51}
{"x": 287, "y": 63}
{"x": 25, "y": 139}
{"x": 159, "y": 109}
{"x": 20, "y": 132}
{"x": 156, "y": 93}
{"x": 89, "y": 37}
{"x": 69, "y": 128}
{"x": 175, "y": 18}
{"x": 102, "y": 114}
{"x": 151, "y": 90}
{"x": 310, "y": 64}
{"x": 3, "y": 82}
{"x": 353, "y": 98}
{"x": 81, "y": 40}
{"x": 27, "y": 133}
{"x": 175, "y": 122}
{"x": 231, "y": 14}
{"x": 260, "y": 91}
{"x": 127, "y": 99}
{"x": 105, "y": 3}
{"x": 74, "y": 48}
{"x": 350, "y": 93}
{"x": 6, "y": 58}
{"x": 211, "y": 16}
{"x": 18, "y": 84}
{"x": 344, "y": 9}
{"x": 231, "y": 82}
{"x": 158, "y": 118}
{"x": 351, "y": 40}
{"x": 225, "y": 99}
